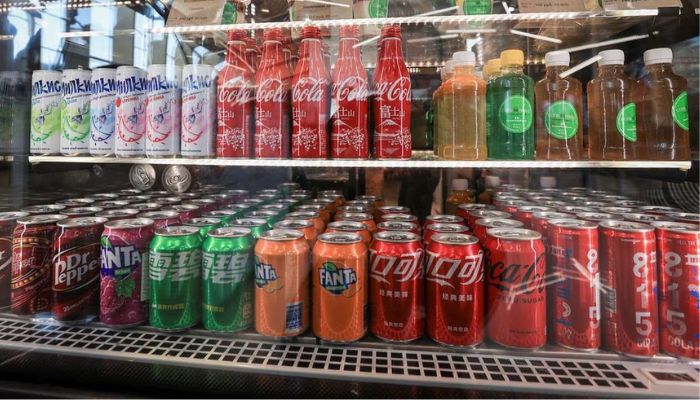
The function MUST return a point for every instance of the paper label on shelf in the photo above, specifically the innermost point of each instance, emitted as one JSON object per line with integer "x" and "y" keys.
{"x": 627, "y": 122}
{"x": 195, "y": 12}
{"x": 639, "y": 4}
{"x": 515, "y": 114}
{"x": 561, "y": 120}
{"x": 536, "y": 6}
{"x": 680, "y": 110}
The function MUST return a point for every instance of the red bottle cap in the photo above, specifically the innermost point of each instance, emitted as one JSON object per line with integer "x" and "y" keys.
{"x": 272, "y": 35}
{"x": 310, "y": 32}
{"x": 349, "y": 31}
{"x": 391, "y": 31}
{"x": 237, "y": 35}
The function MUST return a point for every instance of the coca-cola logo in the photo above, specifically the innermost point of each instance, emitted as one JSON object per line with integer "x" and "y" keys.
{"x": 451, "y": 272}
{"x": 235, "y": 91}
{"x": 396, "y": 90}
{"x": 353, "y": 88}
{"x": 309, "y": 90}
{"x": 403, "y": 268}
{"x": 76, "y": 267}
{"x": 519, "y": 279}
{"x": 271, "y": 90}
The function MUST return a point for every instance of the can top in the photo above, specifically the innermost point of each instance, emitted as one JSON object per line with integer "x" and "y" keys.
{"x": 616, "y": 210}
{"x": 516, "y": 203}
{"x": 684, "y": 216}
{"x": 183, "y": 207}
{"x": 293, "y": 224}
{"x": 261, "y": 213}
{"x": 43, "y": 208}
{"x": 355, "y": 208}
{"x": 248, "y": 222}
{"x": 299, "y": 196}
{"x": 189, "y": 195}
{"x": 396, "y": 237}
{"x": 369, "y": 197}
{"x": 347, "y": 226}
{"x": 680, "y": 227}
{"x": 661, "y": 209}
{"x": 353, "y": 216}
{"x": 201, "y": 201}
{"x": 549, "y": 215}
{"x": 12, "y": 215}
{"x": 163, "y": 214}
{"x": 340, "y": 238}
{"x": 177, "y": 230}
{"x": 41, "y": 219}
{"x": 330, "y": 197}
{"x": 532, "y": 209}
{"x": 286, "y": 201}
{"x": 158, "y": 192}
{"x": 359, "y": 202}
{"x": 302, "y": 215}
{"x": 457, "y": 239}
{"x": 332, "y": 192}
{"x": 514, "y": 234}
{"x": 629, "y": 203}
{"x": 81, "y": 222}
{"x": 221, "y": 196}
{"x": 131, "y": 191}
{"x": 229, "y": 232}
{"x": 641, "y": 217}
{"x": 573, "y": 223}
{"x": 576, "y": 209}
{"x": 445, "y": 219}
{"x": 273, "y": 206}
{"x": 400, "y": 217}
{"x": 597, "y": 216}
{"x": 112, "y": 203}
{"x": 268, "y": 191}
{"x": 499, "y": 223}
{"x": 281, "y": 235}
{"x": 130, "y": 223}
{"x": 140, "y": 197}
{"x": 145, "y": 206}
{"x": 236, "y": 192}
{"x": 263, "y": 197}
{"x": 310, "y": 207}
{"x": 81, "y": 210}
{"x": 395, "y": 209}
{"x": 627, "y": 226}
{"x": 489, "y": 214}
{"x": 289, "y": 185}
{"x": 219, "y": 213}
{"x": 237, "y": 207}
{"x": 169, "y": 200}
{"x": 598, "y": 204}
{"x": 104, "y": 196}
{"x": 396, "y": 226}
{"x": 77, "y": 201}
{"x": 121, "y": 212}
{"x": 200, "y": 222}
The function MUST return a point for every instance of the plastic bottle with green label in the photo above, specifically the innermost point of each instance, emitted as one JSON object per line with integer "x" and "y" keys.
{"x": 559, "y": 130}
{"x": 664, "y": 104}
{"x": 512, "y": 135}
{"x": 612, "y": 112}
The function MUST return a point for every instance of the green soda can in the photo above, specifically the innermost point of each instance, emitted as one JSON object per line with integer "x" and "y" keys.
{"x": 271, "y": 217}
{"x": 239, "y": 209}
{"x": 204, "y": 224}
{"x": 256, "y": 225}
{"x": 174, "y": 278}
{"x": 227, "y": 282}
{"x": 224, "y": 215}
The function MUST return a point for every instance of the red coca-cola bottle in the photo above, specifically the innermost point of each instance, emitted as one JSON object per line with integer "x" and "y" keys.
{"x": 349, "y": 129}
{"x": 252, "y": 53}
{"x": 272, "y": 100}
{"x": 235, "y": 106}
{"x": 392, "y": 99}
{"x": 310, "y": 94}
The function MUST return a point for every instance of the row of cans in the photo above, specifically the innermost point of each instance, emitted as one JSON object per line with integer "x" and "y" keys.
{"x": 127, "y": 112}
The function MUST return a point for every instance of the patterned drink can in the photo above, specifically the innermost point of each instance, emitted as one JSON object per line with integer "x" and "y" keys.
{"x": 103, "y": 93}
{"x": 75, "y": 112}
{"x": 47, "y": 89}
{"x": 8, "y": 220}
{"x": 131, "y": 112}
{"x": 163, "y": 111}
{"x": 198, "y": 132}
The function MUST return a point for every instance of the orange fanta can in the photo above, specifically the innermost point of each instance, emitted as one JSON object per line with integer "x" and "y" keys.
{"x": 304, "y": 226}
{"x": 313, "y": 216}
{"x": 282, "y": 283}
{"x": 365, "y": 218}
{"x": 340, "y": 287}
{"x": 351, "y": 227}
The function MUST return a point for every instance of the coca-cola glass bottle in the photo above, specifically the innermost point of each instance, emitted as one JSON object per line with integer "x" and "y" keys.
{"x": 350, "y": 122}
{"x": 392, "y": 99}
{"x": 310, "y": 98}
{"x": 234, "y": 138}
{"x": 272, "y": 100}
{"x": 252, "y": 54}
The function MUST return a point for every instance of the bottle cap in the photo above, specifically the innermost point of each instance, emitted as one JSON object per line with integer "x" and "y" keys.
{"x": 237, "y": 35}
{"x": 512, "y": 57}
{"x": 661, "y": 55}
{"x": 548, "y": 182}
{"x": 612, "y": 57}
{"x": 557, "y": 58}
{"x": 349, "y": 31}
{"x": 391, "y": 31}
{"x": 272, "y": 34}
{"x": 464, "y": 58}
{"x": 310, "y": 32}
{"x": 447, "y": 69}
{"x": 494, "y": 64}
{"x": 492, "y": 181}
{"x": 460, "y": 184}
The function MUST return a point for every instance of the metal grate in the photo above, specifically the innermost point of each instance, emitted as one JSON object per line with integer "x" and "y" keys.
{"x": 361, "y": 362}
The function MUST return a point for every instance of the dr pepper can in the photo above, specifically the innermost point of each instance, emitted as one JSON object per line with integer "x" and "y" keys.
{"x": 8, "y": 220}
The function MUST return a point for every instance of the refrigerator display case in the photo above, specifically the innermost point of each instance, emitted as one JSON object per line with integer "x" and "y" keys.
{"x": 188, "y": 60}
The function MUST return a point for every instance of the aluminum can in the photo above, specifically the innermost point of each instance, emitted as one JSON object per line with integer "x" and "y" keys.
{"x": 270, "y": 216}
{"x": 512, "y": 206}
{"x": 540, "y": 223}
{"x": 47, "y": 89}
{"x": 282, "y": 286}
{"x": 383, "y": 210}
{"x": 574, "y": 291}
{"x": 146, "y": 207}
{"x": 278, "y": 208}
{"x": 238, "y": 209}
{"x": 44, "y": 209}
{"x": 524, "y": 214}
{"x": 474, "y": 215}
{"x": 204, "y": 224}
{"x": 288, "y": 188}
{"x": 115, "y": 214}
{"x": 8, "y": 221}
{"x": 617, "y": 210}
{"x": 124, "y": 272}
{"x": 32, "y": 252}
{"x": 399, "y": 217}
{"x": 464, "y": 209}
{"x": 399, "y": 226}
{"x": 222, "y": 200}
{"x": 516, "y": 306}
{"x": 646, "y": 218}
{"x": 443, "y": 219}
{"x": 224, "y": 216}
{"x": 174, "y": 278}
{"x": 163, "y": 111}
{"x": 162, "y": 219}
{"x": 136, "y": 198}
{"x": 483, "y": 225}
{"x": 130, "y": 112}
{"x": 656, "y": 210}
{"x": 396, "y": 290}
{"x": 595, "y": 204}
{"x": 323, "y": 211}
{"x": 687, "y": 218}
{"x": 454, "y": 275}
{"x": 103, "y": 196}
{"x": 205, "y": 205}
{"x": 314, "y": 216}
{"x": 353, "y": 209}
{"x": 227, "y": 281}
{"x": 186, "y": 211}
{"x": 256, "y": 225}
{"x": 598, "y": 216}
{"x": 198, "y": 133}
{"x": 237, "y": 195}
{"x": 628, "y": 274}
{"x": 253, "y": 203}
{"x": 434, "y": 229}
{"x": 103, "y": 94}
{"x": 76, "y": 202}
{"x": 340, "y": 288}
{"x": 678, "y": 249}
{"x": 351, "y": 227}
{"x": 365, "y": 218}
{"x": 75, "y": 276}
{"x": 304, "y": 226}
{"x": 176, "y": 179}
{"x": 169, "y": 201}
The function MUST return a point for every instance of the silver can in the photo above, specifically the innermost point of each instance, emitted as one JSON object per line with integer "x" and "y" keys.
{"x": 45, "y": 131}
{"x": 163, "y": 111}
{"x": 142, "y": 176}
{"x": 131, "y": 112}
{"x": 198, "y": 131}
{"x": 103, "y": 93}
{"x": 176, "y": 179}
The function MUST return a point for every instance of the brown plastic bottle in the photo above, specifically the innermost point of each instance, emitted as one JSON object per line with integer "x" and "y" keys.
{"x": 612, "y": 114}
{"x": 460, "y": 195}
{"x": 559, "y": 112}
{"x": 663, "y": 128}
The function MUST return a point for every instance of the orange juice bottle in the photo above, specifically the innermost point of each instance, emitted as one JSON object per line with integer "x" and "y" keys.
{"x": 442, "y": 122}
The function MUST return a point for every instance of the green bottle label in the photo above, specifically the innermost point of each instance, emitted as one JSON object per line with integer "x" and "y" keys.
{"x": 378, "y": 8}
{"x": 228, "y": 16}
{"x": 680, "y": 110}
{"x": 561, "y": 120}
{"x": 627, "y": 122}
{"x": 515, "y": 114}
{"x": 476, "y": 7}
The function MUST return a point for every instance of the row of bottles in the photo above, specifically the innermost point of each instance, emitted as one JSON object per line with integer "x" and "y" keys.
{"x": 506, "y": 116}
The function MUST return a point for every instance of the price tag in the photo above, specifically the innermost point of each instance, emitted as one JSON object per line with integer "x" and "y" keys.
{"x": 195, "y": 12}
{"x": 535, "y": 6}
{"x": 639, "y": 4}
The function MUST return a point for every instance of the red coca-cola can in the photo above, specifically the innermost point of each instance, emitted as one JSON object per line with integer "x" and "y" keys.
{"x": 656, "y": 210}
{"x": 75, "y": 283}
{"x": 464, "y": 209}
{"x": 516, "y": 305}
{"x": 32, "y": 250}
{"x": 8, "y": 220}
{"x": 117, "y": 213}
{"x": 383, "y": 210}
{"x": 678, "y": 247}
{"x": 628, "y": 274}
{"x": 524, "y": 214}
{"x": 574, "y": 291}
{"x": 399, "y": 226}
{"x": 481, "y": 226}
{"x": 512, "y": 206}
{"x": 454, "y": 287}
{"x": 163, "y": 218}
{"x": 397, "y": 303}
{"x": 687, "y": 218}
{"x": 646, "y": 218}
{"x": 444, "y": 219}
{"x": 598, "y": 216}
{"x": 540, "y": 222}
{"x": 434, "y": 229}
{"x": 205, "y": 205}
{"x": 475, "y": 215}
{"x": 399, "y": 217}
